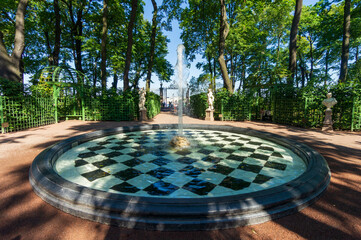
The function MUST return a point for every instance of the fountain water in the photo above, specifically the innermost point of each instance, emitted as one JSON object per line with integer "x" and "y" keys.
{"x": 182, "y": 75}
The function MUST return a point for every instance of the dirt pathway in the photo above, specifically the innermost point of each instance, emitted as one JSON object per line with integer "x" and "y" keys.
{"x": 23, "y": 215}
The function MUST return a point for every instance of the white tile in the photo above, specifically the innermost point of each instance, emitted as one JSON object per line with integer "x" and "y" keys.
{"x": 142, "y": 181}
{"x": 211, "y": 177}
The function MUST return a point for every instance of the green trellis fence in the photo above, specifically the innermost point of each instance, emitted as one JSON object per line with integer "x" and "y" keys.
{"x": 17, "y": 113}
{"x": 302, "y": 109}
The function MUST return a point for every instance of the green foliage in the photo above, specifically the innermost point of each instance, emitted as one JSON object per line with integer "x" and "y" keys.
{"x": 24, "y": 112}
{"x": 231, "y": 107}
{"x": 10, "y": 88}
{"x": 112, "y": 107}
{"x": 198, "y": 105}
{"x": 152, "y": 104}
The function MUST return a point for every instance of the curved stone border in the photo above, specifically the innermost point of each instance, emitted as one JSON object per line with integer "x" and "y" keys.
{"x": 179, "y": 214}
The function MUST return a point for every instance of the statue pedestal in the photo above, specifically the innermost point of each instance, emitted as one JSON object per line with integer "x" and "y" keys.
{"x": 327, "y": 123}
{"x": 209, "y": 115}
{"x": 143, "y": 115}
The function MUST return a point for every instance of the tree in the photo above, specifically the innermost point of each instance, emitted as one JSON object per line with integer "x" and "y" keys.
{"x": 223, "y": 32}
{"x": 103, "y": 66}
{"x": 345, "y": 41}
{"x": 128, "y": 58}
{"x": 293, "y": 41}
{"x": 11, "y": 66}
{"x": 152, "y": 45}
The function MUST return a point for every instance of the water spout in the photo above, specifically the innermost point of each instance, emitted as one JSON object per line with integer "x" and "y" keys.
{"x": 182, "y": 75}
{"x": 180, "y": 141}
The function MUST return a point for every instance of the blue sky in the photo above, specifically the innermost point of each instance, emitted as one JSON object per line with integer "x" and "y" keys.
{"x": 174, "y": 37}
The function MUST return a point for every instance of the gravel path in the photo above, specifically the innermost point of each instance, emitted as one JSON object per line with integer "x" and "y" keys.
{"x": 23, "y": 215}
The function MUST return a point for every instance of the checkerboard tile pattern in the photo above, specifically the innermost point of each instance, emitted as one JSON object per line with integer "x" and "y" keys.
{"x": 143, "y": 164}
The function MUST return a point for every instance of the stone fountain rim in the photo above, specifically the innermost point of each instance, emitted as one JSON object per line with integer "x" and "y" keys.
{"x": 98, "y": 205}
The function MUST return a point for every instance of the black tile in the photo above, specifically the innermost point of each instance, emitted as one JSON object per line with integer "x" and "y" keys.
{"x": 137, "y": 153}
{"x": 244, "y": 139}
{"x": 255, "y": 143}
{"x": 275, "y": 165}
{"x": 118, "y": 148}
{"x": 186, "y": 160}
{"x": 211, "y": 159}
{"x": 227, "y": 150}
{"x": 103, "y": 143}
{"x": 205, "y": 151}
{"x": 259, "y": 156}
{"x": 159, "y": 153}
{"x": 111, "y": 139}
{"x": 266, "y": 148}
{"x": 223, "y": 135}
{"x": 80, "y": 162}
{"x": 125, "y": 187}
{"x": 161, "y": 161}
{"x": 221, "y": 169}
{"x": 133, "y": 162}
{"x": 191, "y": 171}
{"x": 127, "y": 174}
{"x": 199, "y": 187}
{"x": 161, "y": 188}
{"x": 122, "y": 142}
{"x": 183, "y": 152}
{"x": 237, "y": 144}
{"x": 104, "y": 163}
{"x": 228, "y": 140}
{"x": 219, "y": 145}
{"x": 246, "y": 149}
{"x": 161, "y": 172}
{"x": 212, "y": 140}
{"x": 236, "y": 157}
{"x": 261, "y": 179}
{"x": 87, "y": 155}
{"x": 112, "y": 154}
{"x": 250, "y": 167}
{"x": 91, "y": 176}
{"x": 96, "y": 148}
{"x": 277, "y": 154}
{"x": 234, "y": 183}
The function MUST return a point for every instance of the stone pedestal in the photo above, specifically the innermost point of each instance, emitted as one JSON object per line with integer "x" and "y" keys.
{"x": 209, "y": 115}
{"x": 143, "y": 115}
{"x": 327, "y": 123}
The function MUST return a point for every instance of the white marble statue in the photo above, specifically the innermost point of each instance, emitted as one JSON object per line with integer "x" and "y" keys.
{"x": 329, "y": 102}
{"x": 210, "y": 99}
{"x": 142, "y": 94}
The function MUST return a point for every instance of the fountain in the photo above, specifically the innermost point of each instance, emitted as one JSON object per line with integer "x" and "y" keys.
{"x": 131, "y": 177}
{"x": 180, "y": 141}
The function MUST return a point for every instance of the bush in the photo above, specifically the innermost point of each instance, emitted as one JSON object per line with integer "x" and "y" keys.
{"x": 10, "y": 88}
{"x": 199, "y": 105}
{"x": 152, "y": 104}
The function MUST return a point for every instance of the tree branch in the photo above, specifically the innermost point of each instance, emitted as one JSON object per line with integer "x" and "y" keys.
{"x": 8, "y": 17}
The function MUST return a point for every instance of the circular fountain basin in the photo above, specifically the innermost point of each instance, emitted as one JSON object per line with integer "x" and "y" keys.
{"x": 132, "y": 177}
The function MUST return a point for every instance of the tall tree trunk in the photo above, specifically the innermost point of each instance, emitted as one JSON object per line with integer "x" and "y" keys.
{"x": 53, "y": 53}
{"x": 78, "y": 41}
{"x": 152, "y": 45}
{"x": 356, "y": 57}
{"x": 326, "y": 67}
{"x": 128, "y": 57}
{"x": 293, "y": 41}
{"x": 209, "y": 59}
{"x": 103, "y": 66}
{"x": 56, "y": 51}
{"x": 115, "y": 80}
{"x": 11, "y": 66}
{"x": 224, "y": 30}
{"x": 311, "y": 57}
{"x": 345, "y": 41}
